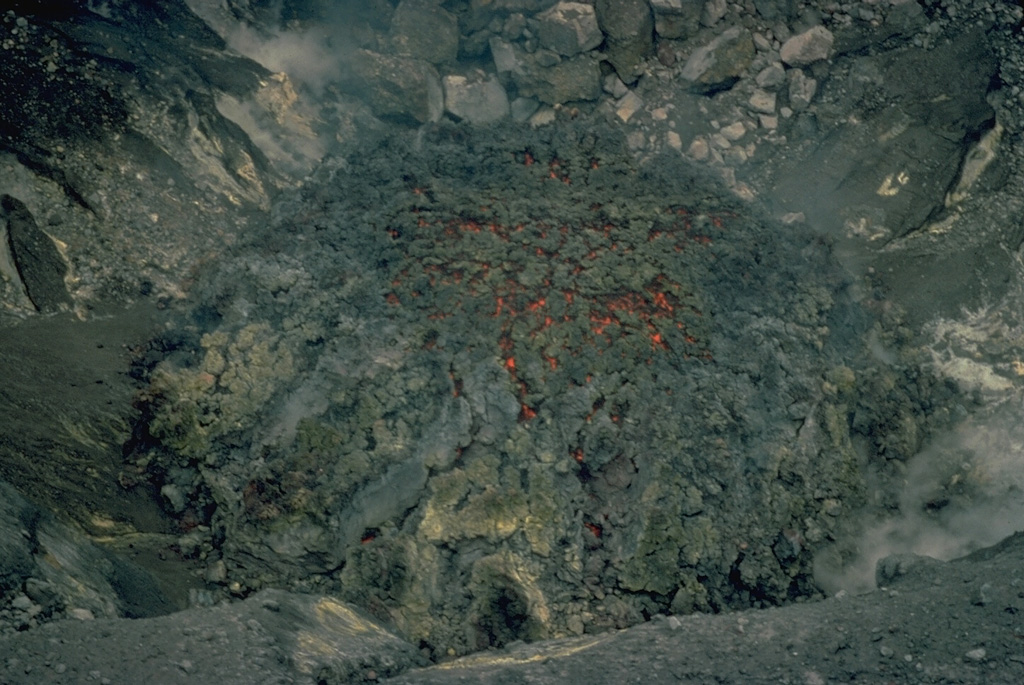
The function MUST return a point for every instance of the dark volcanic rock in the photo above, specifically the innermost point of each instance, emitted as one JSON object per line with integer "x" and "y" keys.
{"x": 676, "y": 18}
{"x": 280, "y": 637}
{"x": 577, "y": 78}
{"x": 112, "y": 138}
{"x": 718, "y": 64}
{"x": 873, "y": 637}
{"x": 504, "y": 385}
{"x": 39, "y": 263}
{"x": 63, "y": 573}
{"x": 569, "y": 28}
{"x": 422, "y": 29}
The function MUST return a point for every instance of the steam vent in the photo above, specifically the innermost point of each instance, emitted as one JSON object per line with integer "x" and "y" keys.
{"x": 509, "y": 386}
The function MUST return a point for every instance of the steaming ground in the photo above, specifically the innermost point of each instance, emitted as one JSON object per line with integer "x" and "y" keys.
{"x": 963, "y": 490}
{"x": 929, "y": 421}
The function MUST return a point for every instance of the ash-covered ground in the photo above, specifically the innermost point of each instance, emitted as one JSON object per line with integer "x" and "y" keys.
{"x": 501, "y": 323}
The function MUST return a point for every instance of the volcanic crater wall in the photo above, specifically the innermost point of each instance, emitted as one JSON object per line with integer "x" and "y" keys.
{"x": 511, "y": 384}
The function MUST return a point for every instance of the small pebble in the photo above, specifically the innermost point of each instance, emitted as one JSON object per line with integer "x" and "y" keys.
{"x": 699, "y": 149}
{"x": 734, "y": 131}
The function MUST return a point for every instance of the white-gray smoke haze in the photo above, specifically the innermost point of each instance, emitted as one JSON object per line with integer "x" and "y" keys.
{"x": 965, "y": 489}
{"x": 306, "y": 58}
{"x": 312, "y": 53}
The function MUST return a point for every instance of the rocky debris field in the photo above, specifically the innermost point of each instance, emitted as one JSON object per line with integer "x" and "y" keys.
{"x": 513, "y": 325}
{"x": 858, "y": 117}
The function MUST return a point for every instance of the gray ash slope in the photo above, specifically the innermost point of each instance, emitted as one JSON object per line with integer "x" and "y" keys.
{"x": 509, "y": 384}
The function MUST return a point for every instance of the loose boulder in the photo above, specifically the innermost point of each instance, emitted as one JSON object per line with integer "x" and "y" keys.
{"x": 570, "y": 80}
{"x": 424, "y": 30}
{"x": 813, "y": 45}
{"x": 569, "y": 28}
{"x": 629, "y": 27}
{"x": 396, "y": 87}
{"x": 39, "y": 263}
{"x": 675, "y": 19}
{"x": 719, "y": 64}
{"x": 479, "y": 102}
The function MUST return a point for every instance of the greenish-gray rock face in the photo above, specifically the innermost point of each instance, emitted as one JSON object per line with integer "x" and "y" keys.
{"x": 512, "y": 385}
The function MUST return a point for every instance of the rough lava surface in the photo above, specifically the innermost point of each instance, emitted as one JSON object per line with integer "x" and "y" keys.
{"x": 499, "y": 386}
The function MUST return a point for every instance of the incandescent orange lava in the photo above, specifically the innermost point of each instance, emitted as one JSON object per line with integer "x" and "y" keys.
{"x": 558, "y": 290}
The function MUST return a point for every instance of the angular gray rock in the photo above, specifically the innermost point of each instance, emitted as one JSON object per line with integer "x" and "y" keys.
{"x": 762, "y": 101}
{"x": 719, "y": 64}
{"x": 676, "y": 18}
{"x": 569, "y": 28}
{"x": 396, "y": 87}
{"x": 813, "y": 45}
{"x": 39, "y": 263}
{"x": 478, "y": 102}
{"x": 522, "y": 109}
{"x": 801, "y": 89}
{"x": 504, "y": 55}
{"x": 424, "y": 30}
{"x": 771, "y": 77}
{"x": 713, "y": 12}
